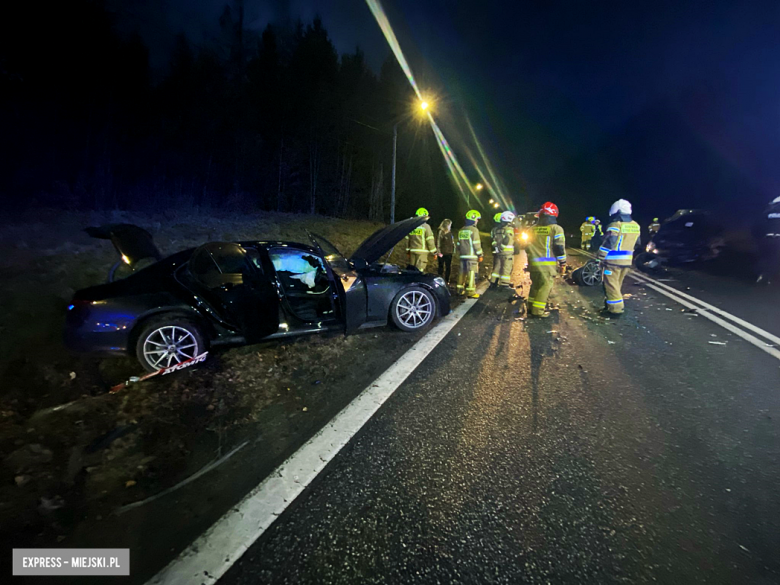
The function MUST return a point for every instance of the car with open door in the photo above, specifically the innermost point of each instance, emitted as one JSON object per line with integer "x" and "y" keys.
{"x": 243, "y": 292}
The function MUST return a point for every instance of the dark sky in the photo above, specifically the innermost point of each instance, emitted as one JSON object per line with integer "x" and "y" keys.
{"x": 556, "y": 86}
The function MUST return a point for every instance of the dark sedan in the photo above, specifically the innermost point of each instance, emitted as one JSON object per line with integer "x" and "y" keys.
{"x": 244, "y": 292}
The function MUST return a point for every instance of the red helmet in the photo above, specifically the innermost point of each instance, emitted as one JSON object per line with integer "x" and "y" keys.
{"x": 549, "y": 208}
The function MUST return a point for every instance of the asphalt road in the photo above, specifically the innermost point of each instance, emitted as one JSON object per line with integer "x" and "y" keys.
{"x": 566, "y": 450}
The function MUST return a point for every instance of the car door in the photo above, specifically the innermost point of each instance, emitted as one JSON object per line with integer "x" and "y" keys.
{"x": 230, "y": 277}
{"x": 350, "y": 284}
{"x": 306, "y": 285}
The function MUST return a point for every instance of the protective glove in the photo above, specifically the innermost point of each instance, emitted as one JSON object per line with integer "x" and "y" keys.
{"x": 480, "y": 259}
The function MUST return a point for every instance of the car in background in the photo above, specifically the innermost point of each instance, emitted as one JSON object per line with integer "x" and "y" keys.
{"x": 690, "y": 235}
{"x": 244, "y": 292}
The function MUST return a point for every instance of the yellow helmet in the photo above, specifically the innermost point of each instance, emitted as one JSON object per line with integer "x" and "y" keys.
{"x": 422, "y": 211}
{"x": 497, "y": 217}
{"x": 473, "y": 214}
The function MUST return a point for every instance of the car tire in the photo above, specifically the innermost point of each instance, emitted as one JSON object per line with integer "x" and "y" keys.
{"x": 588, "y": 274}
{"x": 413, "y": 309}
{"x": 646, "y": 262}
{"x": 183, "y": 336}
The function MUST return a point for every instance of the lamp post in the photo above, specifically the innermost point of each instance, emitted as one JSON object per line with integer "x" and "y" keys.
{"x": 423, "y": 107}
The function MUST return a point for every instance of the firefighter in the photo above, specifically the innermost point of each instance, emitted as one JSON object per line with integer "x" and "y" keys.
{"x": 504, "y": 243}
{"x": 654, "y": 227}
{"x": 587, "y": 229}
{"x": 470, "y": 252}
{"x": 495, "y": 275}
{"x": 767, "y": 233}
{"x": 617, "y": 252}
{"x": 420, "y": 242}
{"x": 546, "y": 255}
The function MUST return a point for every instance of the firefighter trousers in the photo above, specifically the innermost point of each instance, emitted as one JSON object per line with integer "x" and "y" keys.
{"x": 419, "y": 260}
{"x": 502, "y": 269}
{"x": 467, "y": 279}
{"x": 541, "y": 287}
{"x": 613, "y": 287}
{"x": 585, "y": 245}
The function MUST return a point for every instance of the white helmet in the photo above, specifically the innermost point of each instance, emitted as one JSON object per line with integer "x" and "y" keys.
{"x": 508, "y": 217}
{"x": 775, "y": 200}
{"x": 620, "y": 206}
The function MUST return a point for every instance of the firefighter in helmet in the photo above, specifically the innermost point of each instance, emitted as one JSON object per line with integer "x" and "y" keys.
{"x": 654, "y": 227}
{"x": 470, "y": 253}
{"x": 495, "y": 276}
{"x": 588, "y": 230}
{"x": 420, "y": 242}
{"x": 503, "y": 250}
{"x": 546, "y": 248}
{"x": 617, "y": 253}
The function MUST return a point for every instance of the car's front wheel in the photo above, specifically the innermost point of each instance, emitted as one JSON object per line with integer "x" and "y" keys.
{"x": 413, "y": 309}
{"x": 167, "y": 341}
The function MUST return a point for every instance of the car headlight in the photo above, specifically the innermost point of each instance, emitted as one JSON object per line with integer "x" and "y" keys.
{"x": 524, "y": 236}
{"x": 650, "y": 247}
{"x": 439, "y": 281}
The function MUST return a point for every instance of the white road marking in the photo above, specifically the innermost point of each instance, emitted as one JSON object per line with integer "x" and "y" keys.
{"x": 706, "y": 310}
{"x": 715, "y": 319}
{"x": 217, "y": 549}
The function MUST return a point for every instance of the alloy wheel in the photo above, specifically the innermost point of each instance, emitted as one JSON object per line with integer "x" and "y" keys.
{"x": 169, "y": 345}
{"x": 414, "y": 309}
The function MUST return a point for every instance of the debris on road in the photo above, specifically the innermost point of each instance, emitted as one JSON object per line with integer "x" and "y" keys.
{"x": 717, "y": 342}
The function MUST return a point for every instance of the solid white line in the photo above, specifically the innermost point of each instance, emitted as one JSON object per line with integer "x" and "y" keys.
{"x": 706, "y": 310}
{"x": 215, "y": 551}
{"x": 721, "y": 312}
{"x": 705, "y": 313}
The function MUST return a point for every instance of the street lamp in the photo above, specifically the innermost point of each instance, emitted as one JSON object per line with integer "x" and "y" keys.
{"x": 478, "y": 187}
{"x": 491, "y": 201}
{"x": 495, "y": 205}
{"x": 423, "y": 108}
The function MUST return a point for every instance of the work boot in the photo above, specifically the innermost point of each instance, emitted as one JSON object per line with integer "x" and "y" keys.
{"x": 542, "y": 316}
{"x": 474, "y": 295}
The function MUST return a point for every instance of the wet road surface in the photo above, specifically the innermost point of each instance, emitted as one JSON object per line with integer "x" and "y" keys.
{"x": 566, "y": 450}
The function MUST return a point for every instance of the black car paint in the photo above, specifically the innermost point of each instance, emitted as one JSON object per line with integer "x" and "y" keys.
{"x": 105, "y": 319}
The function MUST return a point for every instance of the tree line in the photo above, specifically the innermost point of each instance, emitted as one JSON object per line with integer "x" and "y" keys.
{"x": 276, "y": 120}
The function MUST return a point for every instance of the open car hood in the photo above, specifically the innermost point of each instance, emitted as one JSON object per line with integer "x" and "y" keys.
{"x": 132, "y": 242}
{"x": 382, "y": 240}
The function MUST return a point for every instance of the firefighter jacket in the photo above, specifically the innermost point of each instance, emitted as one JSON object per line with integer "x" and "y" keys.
{"x": 588, "y": 230}
{"x": 494, "y": 237}
{"x": 469, "y": 246}
{"x": 445, "y": 242}
{"x": 504, "y": 240}
{"x": 421, "y": 240}
{"x": 546, "y": 246}
{"x": 617, "y": 249}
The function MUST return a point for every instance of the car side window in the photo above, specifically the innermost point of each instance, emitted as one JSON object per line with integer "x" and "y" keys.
{"x": 203, "y": 268}
{"x": 299, "y": 270}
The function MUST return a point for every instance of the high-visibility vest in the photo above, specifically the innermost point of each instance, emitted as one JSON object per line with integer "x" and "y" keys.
{"x": 542, "y": 243}
{"x": 421, "y": 240}
{"x": 618, "y": 247}
{"x": 469, "y": 245}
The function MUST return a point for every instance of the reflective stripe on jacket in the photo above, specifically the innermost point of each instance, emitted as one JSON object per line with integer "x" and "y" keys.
{"x": 421, "y": 240}
{"x": 469, "y": 246}
{"x": 546, "y": 247}
{"x": 504, "y": 240}
{"x": 618, "y": 247}
{"x": 588, "y": 229}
